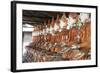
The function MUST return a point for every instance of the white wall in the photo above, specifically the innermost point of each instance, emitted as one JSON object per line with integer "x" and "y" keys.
{"x": 5, "y": 36}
